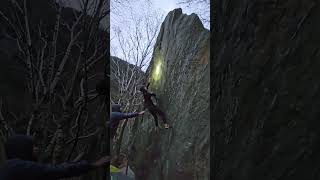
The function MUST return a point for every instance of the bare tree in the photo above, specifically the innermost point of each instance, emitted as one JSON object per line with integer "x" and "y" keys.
{"x": 59, "y": 65}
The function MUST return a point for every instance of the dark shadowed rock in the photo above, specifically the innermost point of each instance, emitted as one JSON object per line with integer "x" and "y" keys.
{"x": 266, "y": 90}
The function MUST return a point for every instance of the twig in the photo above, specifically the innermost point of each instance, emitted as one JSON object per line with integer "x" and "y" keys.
{"x": 83, "y": 137}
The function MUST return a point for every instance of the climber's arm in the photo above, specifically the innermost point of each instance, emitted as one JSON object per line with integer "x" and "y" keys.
{"x": 130, "y": 115}
{"x": 118, "y": 116}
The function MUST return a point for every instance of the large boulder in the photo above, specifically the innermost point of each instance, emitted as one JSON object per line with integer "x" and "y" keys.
{"x": 179, "y": 75}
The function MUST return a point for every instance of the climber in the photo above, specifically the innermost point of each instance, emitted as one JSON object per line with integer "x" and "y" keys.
{"x": 119, "y": 168}
{"x": 21, "y": 163}
{"x": 153, "y": 109}
{"x": 117, "y": 116}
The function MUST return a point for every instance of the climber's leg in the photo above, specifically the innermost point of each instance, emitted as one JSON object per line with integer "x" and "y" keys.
{"x": 155, "y": 117}
{"x": 163, "y": 117}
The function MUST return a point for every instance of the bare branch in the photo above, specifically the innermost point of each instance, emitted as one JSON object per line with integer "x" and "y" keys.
{"x": 73, "y": 38}
{"x": 54, "y": 46}
{"x": 83, "y": 137}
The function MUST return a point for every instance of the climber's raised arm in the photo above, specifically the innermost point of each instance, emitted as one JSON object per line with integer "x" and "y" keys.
{"x": 132, "y": 115}
{"x": 118, "y": 116}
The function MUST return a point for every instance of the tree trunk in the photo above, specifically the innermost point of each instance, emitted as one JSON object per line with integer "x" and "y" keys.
{"x": 2, "y": 151}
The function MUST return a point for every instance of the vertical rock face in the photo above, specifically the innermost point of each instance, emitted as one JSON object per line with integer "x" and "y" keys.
{"x": 266, "y": 90}
{"x": 179, "y": 76}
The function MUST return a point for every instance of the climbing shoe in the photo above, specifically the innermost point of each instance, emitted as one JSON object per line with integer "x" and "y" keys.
{"x": 166, "y": 126}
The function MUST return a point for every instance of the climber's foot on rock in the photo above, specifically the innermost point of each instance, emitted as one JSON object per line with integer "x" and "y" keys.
{"x": 166, "y": 126}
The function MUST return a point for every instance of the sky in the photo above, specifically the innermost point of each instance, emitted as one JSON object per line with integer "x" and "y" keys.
{"x": 122, "y": 9}
{"x": 139, "y": 8}
{"x": 167, "y": 5}
{"x": 163, "y": 6}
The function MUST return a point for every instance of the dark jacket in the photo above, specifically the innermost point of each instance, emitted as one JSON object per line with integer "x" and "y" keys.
{"x": 147, "y": 97}
{"x": 117, "y": 116}
{"x": 20, "y": 165}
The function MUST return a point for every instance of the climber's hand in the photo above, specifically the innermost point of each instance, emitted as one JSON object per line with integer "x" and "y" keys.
{"x": 141, "y": 113}
{"x": 102, "y": 161}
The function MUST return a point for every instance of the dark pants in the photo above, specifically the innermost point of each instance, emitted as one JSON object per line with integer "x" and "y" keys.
{"x": 154, "y": 110}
